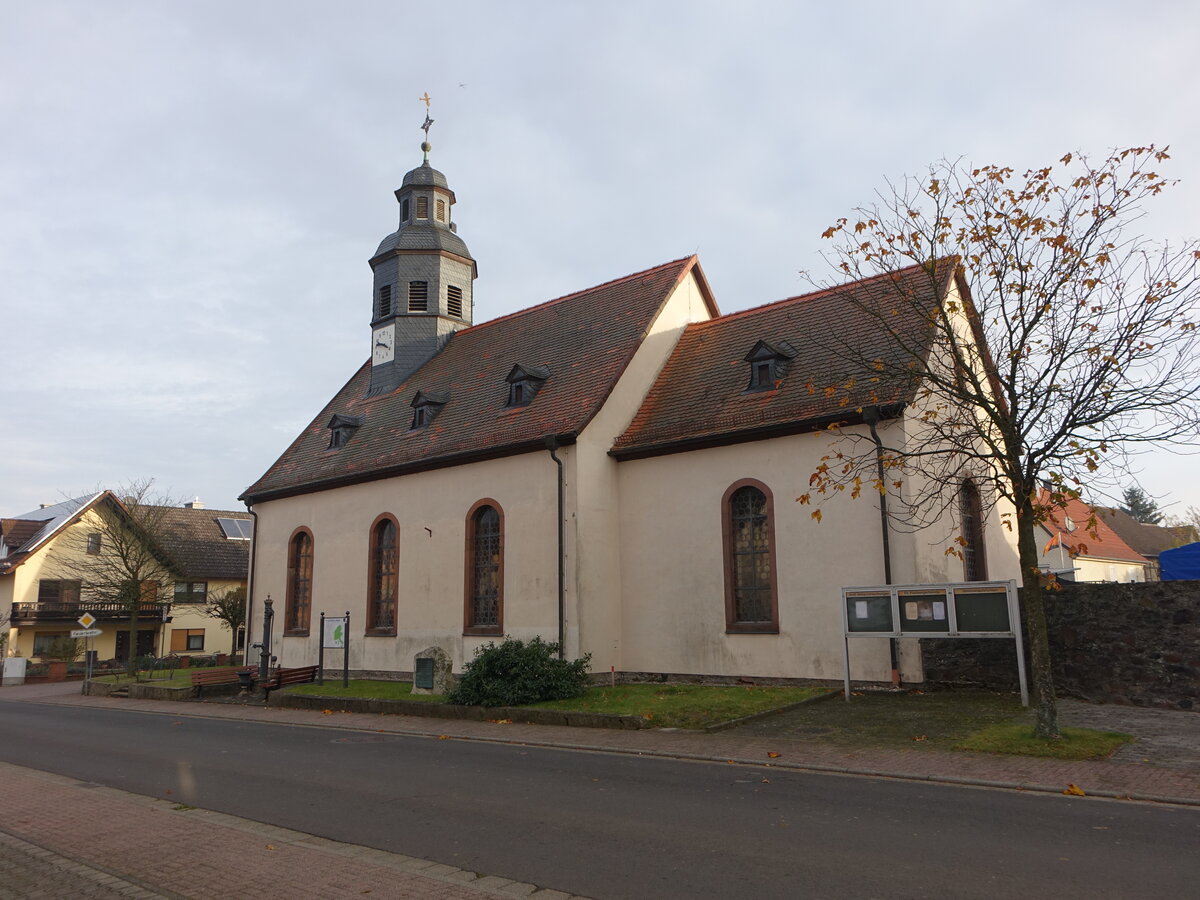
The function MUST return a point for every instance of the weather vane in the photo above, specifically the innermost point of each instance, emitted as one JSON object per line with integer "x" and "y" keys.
{"x": 425, "y": 145}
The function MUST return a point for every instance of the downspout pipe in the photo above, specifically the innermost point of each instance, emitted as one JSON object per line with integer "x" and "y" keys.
{"x": 871, "y": 417}
{"x": 552, "y": 446}
{"x": 249, "y": 588}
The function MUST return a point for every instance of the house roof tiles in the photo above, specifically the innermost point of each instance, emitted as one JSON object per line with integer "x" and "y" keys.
{"x": 584, "y": 340}
{"x": 702, "y": 392}
{"x": 1085, "y": 532}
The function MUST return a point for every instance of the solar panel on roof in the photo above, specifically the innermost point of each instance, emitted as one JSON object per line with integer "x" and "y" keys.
{"x": 236, "y": 529}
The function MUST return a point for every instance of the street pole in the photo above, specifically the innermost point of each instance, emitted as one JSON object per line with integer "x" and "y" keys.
{"x": 264, "y": 655}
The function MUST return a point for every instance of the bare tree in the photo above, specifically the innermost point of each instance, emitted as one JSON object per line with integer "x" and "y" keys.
{"x": 118, "y": 557}
{"x": 1062, "y": 343}
{"x": 228, "y": 607}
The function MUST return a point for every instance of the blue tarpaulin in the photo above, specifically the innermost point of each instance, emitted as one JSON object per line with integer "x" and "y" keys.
{"x": 1180, "y": 563}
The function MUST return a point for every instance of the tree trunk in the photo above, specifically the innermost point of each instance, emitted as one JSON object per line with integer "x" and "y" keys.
{"x": 1045, "y": 701}
{"x": 131, "y": 663}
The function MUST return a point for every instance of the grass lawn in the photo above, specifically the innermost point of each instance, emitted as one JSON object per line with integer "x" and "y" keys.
{"x": 165, "y": 677}
{"x": 373, "y": 690}
{"x": 933, "y": 720}
{"x": 684, "y": 705}
{"x": 1016, "y": 738}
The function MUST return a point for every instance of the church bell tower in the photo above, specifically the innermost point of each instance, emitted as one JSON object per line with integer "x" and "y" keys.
{"x": 423, "y": 278}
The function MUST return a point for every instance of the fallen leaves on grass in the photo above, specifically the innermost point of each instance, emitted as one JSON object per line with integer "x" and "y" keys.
{"x": 920, "y": 737}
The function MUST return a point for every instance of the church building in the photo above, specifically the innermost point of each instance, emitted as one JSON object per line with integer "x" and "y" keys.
{"x": 616, "y": 469}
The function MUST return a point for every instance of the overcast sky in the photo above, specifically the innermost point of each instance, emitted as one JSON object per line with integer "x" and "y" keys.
{"x": 189, "y": 192}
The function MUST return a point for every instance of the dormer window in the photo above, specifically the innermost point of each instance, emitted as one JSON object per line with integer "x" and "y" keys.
{"x": 524, "y": 382}
{"x": 341, "y": 429}
{"x": 768, "y": 365}
{"x": 426, "y": 405}
{"x": 385, "y": 301}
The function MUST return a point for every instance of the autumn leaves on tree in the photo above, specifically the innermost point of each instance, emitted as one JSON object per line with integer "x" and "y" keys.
{"x": 1061, "y": 342}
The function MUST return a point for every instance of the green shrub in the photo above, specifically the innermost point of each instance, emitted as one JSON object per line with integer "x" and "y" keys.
{"x": 515, "y": 673}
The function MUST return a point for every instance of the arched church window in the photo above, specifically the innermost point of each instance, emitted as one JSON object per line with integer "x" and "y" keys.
{"x": 751, "y": 601}
{"x": 970, "y": 510}
{"x": 298, "y": 605}
{"x": 484, "y": 612}
{"x": 384, "y": 576}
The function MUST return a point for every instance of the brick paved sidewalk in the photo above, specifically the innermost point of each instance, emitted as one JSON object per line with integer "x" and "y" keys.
{"x": 63, "y": 838}
{"x": 1127, "y": 777}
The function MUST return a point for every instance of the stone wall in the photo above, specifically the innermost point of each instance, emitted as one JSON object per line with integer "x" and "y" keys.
{"x": 1115, "y": 643}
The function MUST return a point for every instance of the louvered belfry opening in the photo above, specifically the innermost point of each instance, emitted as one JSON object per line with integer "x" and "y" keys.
{"x": 418, "y": 296}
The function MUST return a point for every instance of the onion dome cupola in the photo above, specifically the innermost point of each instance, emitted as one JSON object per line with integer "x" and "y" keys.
{"x": 423, "y": 278}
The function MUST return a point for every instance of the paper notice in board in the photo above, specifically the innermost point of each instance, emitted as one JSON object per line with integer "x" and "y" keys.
{"x": 910, "y": 610}
{"x": 860, "y": 609}
{"x": 939, "y": 609}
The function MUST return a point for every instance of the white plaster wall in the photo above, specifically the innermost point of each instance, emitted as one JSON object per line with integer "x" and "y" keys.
{"x": 431, "y": 509}
{"x": 672, "y": 565}
{"x": 594, "y": 507}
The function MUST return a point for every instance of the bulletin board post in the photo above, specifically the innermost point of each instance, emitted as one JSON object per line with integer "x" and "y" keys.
{"x": 973, "y": 609}
{"x": 335, "y": 635}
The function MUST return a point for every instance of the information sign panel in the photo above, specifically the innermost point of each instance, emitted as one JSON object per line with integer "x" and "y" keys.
{"x": 869, "y": 611}
{"x": 335, "y": 632}
{"x": 924, "y": 611}
{"x": 982, "y": 610}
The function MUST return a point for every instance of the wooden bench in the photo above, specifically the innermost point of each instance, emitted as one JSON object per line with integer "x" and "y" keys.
{"x": 284, "y": 677}
{"x": 202, "y": 678}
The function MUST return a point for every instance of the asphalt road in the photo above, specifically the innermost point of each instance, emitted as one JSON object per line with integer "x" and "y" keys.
{"x": 611, "y": 826}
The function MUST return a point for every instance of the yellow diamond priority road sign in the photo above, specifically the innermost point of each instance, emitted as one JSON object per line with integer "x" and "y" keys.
{"x": 87, "y": 620}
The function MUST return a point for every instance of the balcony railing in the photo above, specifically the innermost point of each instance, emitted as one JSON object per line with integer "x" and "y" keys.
{"x": 55, "y": 611}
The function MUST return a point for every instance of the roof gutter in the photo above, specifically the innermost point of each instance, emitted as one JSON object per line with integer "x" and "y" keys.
{"x": 564, "y": 438}
{"x": 249, "y": 588}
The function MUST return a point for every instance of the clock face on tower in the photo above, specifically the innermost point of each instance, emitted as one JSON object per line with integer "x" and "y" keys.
{"x": 383, "y": 344}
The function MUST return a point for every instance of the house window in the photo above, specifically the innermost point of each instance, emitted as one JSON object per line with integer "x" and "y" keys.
{"x": 971, "y": 510}
{"x": 381, "y": 605}
{"x": 762, "y": 374}
{"x": 93, "y": 544}
{"x": 44, "y": 642}
{"x": 422, "y": 207}
{"x": 517, "y": 394}
{"x": 751, "y": 597}
{"x": 385, "y": 301}
{"x": 404, "y": 210}
{"x": 57, "y": 591}
{"x": 441, "y": 210}
{"x": 191, "y": 591}
{"x": 148, "y": 591}
{"x": 185, "y": 639}
{"x": 485, "y": 569}
{"x": 299, "y": 583}
{"x": 418, "y": 296}
{"x": 426, "y": 405}
{"x": 454, "y": 301}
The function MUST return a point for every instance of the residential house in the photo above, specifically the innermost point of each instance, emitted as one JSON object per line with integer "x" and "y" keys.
{"x": 1079, "y": 543}
{"x": 48, "y": 555}
{"x": 617, "y": 468}
{"x": 1148, "y": 540}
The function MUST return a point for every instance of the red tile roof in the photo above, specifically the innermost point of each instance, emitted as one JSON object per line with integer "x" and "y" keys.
{"x": 1087, "y": 533}
{"x": 701, "y": 394}
{"x": 584, "y": 339}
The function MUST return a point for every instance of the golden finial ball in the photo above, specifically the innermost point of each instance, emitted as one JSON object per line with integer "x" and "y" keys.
{"x": 426, "y": 146}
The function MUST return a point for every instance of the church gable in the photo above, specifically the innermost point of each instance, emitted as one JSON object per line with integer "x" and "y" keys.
{"x": 778, "y": 369}
{"x": 581, "y": 343}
